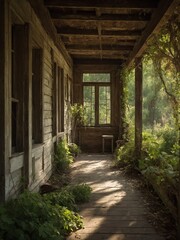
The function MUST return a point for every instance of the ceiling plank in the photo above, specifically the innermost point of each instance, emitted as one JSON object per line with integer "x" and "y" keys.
{"x": 162, "y": 14}
{"x": 94, "y": 32}
{"x": 56, "y": 15}
{"x": 91, "y": 40}
{"x": 136, "y": 4}
{"x": 93, "y": 61}
{"x": 70, "y": 47}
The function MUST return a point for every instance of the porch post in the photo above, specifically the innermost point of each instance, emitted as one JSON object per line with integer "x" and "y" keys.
{"x": 26, "y": 55}
{"x": 138, "y": 107}
{"x": 4, "y": 91}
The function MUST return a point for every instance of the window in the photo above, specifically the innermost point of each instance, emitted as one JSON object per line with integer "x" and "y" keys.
{"x": 89, "y": 104}
{"x": 96, "y": 77}
{"x": 37, "y": 95}
{"x": 17, "y": 78}
{"x": 104, "y": 105}
{"x": 97, "y": 98}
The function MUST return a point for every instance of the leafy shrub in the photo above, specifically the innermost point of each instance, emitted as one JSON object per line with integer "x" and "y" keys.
{"x": 63, "y": 158}
{"x": 32, "y": 217}
{"x": 80, "y": 192}
{"x": 63, "y": 198}
{"x": 125, "y": 155}
{"x": 158, "y": 164}
{"x": 74, "y": 149}
{"x": 169, "y": 139}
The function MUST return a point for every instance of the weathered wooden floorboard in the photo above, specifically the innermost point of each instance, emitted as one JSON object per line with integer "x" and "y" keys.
{"x": 116, "y": 210}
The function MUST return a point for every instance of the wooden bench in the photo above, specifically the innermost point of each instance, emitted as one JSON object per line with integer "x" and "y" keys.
{"x": 104, "y": 137}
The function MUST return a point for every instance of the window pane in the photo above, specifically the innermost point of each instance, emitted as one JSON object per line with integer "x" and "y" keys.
{"x": 96, "y": 77}
{"x": 89, "y": 104}
{"x": 104, "y": 105}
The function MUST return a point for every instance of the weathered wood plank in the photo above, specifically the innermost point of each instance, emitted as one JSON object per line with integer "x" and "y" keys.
{"x": 16, "y": 162}
{"x": 94, "y": 32}
{"x": 82, "y": 47}
{"x": 86, "y": 61}
{"x": 99, "y": 4}
{"x": 85, "y": 16}
{"x": 26, "y": 54}
{"x": 3, "y": 75}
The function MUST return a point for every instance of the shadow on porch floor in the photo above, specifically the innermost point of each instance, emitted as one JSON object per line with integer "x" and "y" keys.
{"x": 116, "y": 210}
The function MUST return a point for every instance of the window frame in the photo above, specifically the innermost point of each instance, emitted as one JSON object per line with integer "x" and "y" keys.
{"x": 37, "y": 95}
{"x": 97, "y": 85}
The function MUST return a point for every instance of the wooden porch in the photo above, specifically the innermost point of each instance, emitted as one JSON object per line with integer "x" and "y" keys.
{"x": 53, "y": 55}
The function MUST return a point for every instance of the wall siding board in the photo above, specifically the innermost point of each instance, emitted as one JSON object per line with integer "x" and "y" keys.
{"x": 38, "y": 165}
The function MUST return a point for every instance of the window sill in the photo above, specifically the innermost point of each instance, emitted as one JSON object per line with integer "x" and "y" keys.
{"x": 37, "y": 145}
{"x": 16, "y": 154}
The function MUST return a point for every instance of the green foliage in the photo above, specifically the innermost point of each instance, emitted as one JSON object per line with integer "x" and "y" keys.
{"x": 62, "y": 158}
{"x": 32, "y": 216}
{"x": 80, "y": 192}
{"x": 165, "y": 55}
{"x": 77, "y": 118}
{"x": 63, "y": 198}
{"x": 78, "y": 114}
{"x": 160, "y": 159}
{"x": 125, "y": 155}
{"x": 74, "y": 149}
{"x": 70, "y": 196}
{"x": 170, "y": 138}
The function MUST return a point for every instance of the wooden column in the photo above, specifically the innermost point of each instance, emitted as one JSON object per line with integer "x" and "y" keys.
{"x": 2, "y": 99}
{"x": 138, "y": 106}
{"x": 4, "y": 96}
{"x": 28, "y": 103}
{"x": 122, "y": 107}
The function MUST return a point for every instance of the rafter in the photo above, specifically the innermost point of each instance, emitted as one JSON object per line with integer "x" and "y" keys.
{"x": 94, "y": 32}
{"x": 71, "y": 47}
{"x": 136, "y": 4}
{"x": 94, "y": 61}
{"x": 92, "y": 52}
{"x": 55, "y": 14}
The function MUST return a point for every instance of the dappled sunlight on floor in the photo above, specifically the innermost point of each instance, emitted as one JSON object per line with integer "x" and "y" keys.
{"x": 115, "y": 210}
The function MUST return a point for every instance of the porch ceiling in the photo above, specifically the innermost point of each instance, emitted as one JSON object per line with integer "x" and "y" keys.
{"x": 114, "y": 30}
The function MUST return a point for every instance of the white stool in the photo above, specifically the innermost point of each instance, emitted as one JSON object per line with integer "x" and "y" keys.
{"x": 104, "y": 137}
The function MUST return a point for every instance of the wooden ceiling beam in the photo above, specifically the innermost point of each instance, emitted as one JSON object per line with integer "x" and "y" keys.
{"x": 92, "y": 40}
{"x": 56, "y": 15}
{"x": 71, "y": 47}
{"x": 120, "y": 53}
{"x": 93, "y": 61}
{"x": 135, "y": 4}
{"x": 94, "y": 32}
